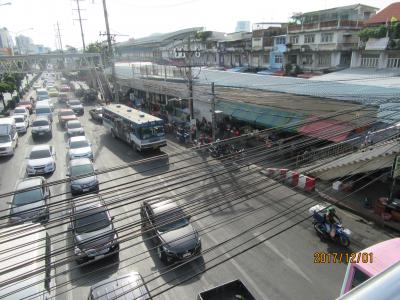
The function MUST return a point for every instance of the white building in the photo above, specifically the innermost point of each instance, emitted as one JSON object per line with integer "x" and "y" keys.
{"x": 6, "y": 43}
{"x": 24, "y": 44}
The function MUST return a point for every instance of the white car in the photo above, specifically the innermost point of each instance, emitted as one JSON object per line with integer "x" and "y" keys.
{"x": 79, "y": 146}
{"x": 21, "y": 111}
{"x": 41, "y": 160}
{"x": 74, "y": 128}
{"x": 21, "y": 123}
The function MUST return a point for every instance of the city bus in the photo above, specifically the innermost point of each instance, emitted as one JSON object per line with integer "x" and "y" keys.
{"x": 370, "y": 262}
{"x": 140, "y": 130}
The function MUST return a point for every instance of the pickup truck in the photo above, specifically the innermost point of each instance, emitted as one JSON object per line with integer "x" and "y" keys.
{"x": 231, "y": 290}
{"x": 97, "y": 114}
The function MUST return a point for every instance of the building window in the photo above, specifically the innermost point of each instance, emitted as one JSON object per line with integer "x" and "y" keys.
{"x": 278, "y": 59}
{"x": 294, "y": 39}
{"x": 309, "y": 38}
{"x": 327, "y": 37}
{"x": 324, "y": 59}
{"x": 266, "y": 59}
{"x": 280, "y": 40}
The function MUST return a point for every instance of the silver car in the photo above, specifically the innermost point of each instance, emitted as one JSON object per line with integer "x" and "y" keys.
{"x": 21, "y": 123}
{"x": 79, "y": 146}
{"x": 30, "y": 201}
{"x": 41, "y": 126}
{"x": 41, "y": 160}
{"x": 74, "y": 128}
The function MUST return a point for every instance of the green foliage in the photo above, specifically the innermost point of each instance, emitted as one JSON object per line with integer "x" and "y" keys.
{"x": 96, "y": 47}
{"x": 372, "y": 32}
{"x": 288, "y": 68}
{"x": 203, "y": 35}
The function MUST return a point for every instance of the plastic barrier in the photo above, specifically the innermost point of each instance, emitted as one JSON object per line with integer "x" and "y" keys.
{"x": 292, "y": 178}
{"x": 272, "y": 172}
{"x": 282, "y": 174}
{"x": 306, "y": 183}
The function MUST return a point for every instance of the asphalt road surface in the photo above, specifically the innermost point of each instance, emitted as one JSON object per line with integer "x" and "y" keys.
{"x": 281, "y": 268}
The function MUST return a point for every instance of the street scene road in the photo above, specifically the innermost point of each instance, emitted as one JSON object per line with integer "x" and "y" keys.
{"x": 224, "y": 200}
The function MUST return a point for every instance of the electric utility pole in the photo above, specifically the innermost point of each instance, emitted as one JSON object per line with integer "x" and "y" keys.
{"x": 59, "y": 37}
{"x": 213, "y": 118}
{"x": 111, "y": 54}
{"x": 80, "y": 23}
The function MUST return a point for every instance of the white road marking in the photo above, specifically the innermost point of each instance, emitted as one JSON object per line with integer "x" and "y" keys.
{"x": 287, "y": 261}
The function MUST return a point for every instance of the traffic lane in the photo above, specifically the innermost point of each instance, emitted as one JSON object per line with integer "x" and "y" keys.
{"x": 300, "y": 245}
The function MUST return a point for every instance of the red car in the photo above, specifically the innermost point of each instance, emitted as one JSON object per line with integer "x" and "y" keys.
{"x": 65, "y": 88}
{"x": 65, "y": 115}
{"x": 26, "y": 104}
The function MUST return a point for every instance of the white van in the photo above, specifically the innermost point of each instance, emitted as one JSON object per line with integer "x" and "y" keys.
{"x": 8, "y": 136}
{"x": 26, "y": 262}
{"x": 44, "y": 109}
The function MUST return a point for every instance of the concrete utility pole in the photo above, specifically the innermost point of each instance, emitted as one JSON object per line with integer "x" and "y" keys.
{"x": 213, "y": 120}
{"x": 111, "y": 54}
{"x": 190, "y": 79}
{"x": 80, "y": 23}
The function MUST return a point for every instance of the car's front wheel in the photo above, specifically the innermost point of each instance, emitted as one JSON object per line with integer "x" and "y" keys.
{"x": 161, "y": 255}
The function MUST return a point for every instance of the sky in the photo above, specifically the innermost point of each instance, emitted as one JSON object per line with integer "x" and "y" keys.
{"x": 135, "y": 19}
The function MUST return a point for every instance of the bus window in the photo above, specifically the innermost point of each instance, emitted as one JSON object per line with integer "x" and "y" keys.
{"x": 358, "y": 278}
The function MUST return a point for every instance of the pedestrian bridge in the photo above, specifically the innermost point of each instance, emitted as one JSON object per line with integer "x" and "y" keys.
{"x": 372, "y": 158}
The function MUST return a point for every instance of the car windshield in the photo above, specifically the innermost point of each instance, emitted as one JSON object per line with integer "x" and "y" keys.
{"x": 81, "y": 170}
{"x": 74, "y": 102}
{"x": 20, "y": 111}
{"x": 38, "y": 154}
{"x": 150, "y": 132}
{"x": 5, "y": 138}
{"x": 79, "y": 144}
{"x": 91, "y": 220}
{"x": 74, "y": 125}
{"x": 67, "y": 113}
{"x": 171, "y": 221}
{"x": 40, "y": 123}
{"x": 19, "y": 120}
{"x": 28, "y": 197}
{"x": 24, "y": 103}
{"x": 43, "y": 110}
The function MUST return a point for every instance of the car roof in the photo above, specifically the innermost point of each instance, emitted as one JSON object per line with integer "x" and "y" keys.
{"x": 87, "y": 206}
{"x": 41, "y": 118}
{"x": 65, "y": 109}
{"x": 74, "y": 121}
{"x": 30, "y": 182}
{"x": 44, "y": 103}
{"x": 80, "y": 161}
{"x": 125, "y": 287}
{"x": 40, "y": 147}
{"x": 18, "y": 116}
{"x": 162, "y": 207}
{"x": 77, "y": 138}
{"x": 20, "y": 107}
{"x": 76, "y": 100}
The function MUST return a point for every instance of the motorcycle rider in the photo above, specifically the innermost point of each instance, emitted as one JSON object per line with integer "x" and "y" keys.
{"x": 331, "y": 219}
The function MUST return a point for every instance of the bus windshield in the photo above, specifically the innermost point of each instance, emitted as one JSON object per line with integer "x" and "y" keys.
{"x": 150, "y": 132}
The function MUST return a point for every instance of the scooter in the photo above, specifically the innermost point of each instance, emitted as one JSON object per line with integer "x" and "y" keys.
{"x": 342, "y": 235}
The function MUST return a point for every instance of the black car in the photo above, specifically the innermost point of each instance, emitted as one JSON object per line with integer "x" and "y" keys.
{"x": 83, "y": 176}
{"x": 170, "y": 229}
{"x": 76, "y": 106}
{"x": 92, "y": 229}
{"x": 30, "y": 202}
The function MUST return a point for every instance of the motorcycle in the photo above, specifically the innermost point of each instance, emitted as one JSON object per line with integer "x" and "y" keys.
{"x": 182, "y": 135}
{"x": 342, "y": 235}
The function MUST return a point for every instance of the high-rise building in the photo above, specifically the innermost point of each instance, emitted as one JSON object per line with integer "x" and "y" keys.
{"x": 6, "y": 43}
{"x": 242, "y": 26}
{"x": 24, "y": 44}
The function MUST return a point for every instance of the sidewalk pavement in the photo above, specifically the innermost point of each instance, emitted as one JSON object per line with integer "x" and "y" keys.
{"x": 354, "y": 201}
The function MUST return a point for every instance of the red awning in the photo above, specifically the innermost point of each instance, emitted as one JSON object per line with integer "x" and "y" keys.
{"x": 329, "y": 130}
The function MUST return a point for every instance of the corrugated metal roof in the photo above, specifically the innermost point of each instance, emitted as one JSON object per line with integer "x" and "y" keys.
{"x": 386, "y": 14}
{"x": 360, "y": 93}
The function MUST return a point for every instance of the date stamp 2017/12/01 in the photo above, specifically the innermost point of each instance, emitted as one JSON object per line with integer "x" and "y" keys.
{"x": 338, "y": 257}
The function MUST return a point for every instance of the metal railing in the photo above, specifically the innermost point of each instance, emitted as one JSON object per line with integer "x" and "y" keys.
{"x": 369, "y": 62}
{"x": 393, "y": 63}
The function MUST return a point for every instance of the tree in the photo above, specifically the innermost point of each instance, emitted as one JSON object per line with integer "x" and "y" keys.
{"x": 6, "y": 87}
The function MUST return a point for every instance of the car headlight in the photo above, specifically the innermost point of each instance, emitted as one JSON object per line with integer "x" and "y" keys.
{"x": 49, "y": 165}
{"x": 166, "y": 250}
{"x": 30, "y": 168}
{"x": 78, "y": 251}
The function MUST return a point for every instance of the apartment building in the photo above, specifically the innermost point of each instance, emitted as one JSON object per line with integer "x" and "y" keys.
{"x": 379, "y": 46}
{"x": 324, "y": 39}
